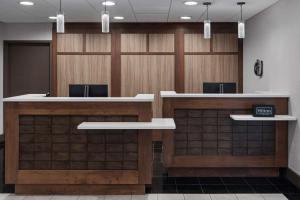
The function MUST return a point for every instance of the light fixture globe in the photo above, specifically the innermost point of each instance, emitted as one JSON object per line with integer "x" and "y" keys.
{"x": 241, "y": 23}
{"x": 207, "y": 24}
{"x": 105, "y": 21}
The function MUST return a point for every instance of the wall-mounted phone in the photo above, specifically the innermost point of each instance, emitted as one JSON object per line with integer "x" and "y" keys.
{"x": 259, "y": 68}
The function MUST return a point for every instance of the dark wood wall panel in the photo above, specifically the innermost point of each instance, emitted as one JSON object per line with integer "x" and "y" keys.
{"x": 213, "y": 132}
{"x": 55, "y": 143}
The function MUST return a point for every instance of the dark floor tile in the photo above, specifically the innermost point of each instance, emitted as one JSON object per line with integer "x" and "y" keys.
{"x": 233, "y": 181}
{"x": 279, "y": 181}
{"x": 169, "y": 180}
{"x": 265, "y": 189}
{"x": 214, "y": 189}
{"x": 189, "y": 189}
{"x": 187, "y": 181}
{"x": 288, "y": 189}
{"x": 257, "y": 181}
{"x": 164, "y": 189}
{"x": 292, "y": 196}
{"x": 239, "y": 189}
{"x": 148, "y": 190}
{"x": 210, "y": 181}
{"x": 157, "y": 181}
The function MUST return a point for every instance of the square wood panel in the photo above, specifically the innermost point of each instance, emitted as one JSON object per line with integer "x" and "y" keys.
{"x": 147, "y": 74}
{"x": 98, "y": 42}
{"x": 194, "y": 42}
{"x": 133, "y": 42}
{"x": 161, "y": 42}
{"x": 209, "y": 68}
{"x": 69, "y": 42}
{"x": 82, "y": 69}
{"x": 225, "y": 42}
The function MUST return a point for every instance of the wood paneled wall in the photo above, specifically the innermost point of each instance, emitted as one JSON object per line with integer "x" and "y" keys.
{"x": 146, "y": 58}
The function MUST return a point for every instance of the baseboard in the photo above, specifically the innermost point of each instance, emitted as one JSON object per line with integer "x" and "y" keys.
{"x": 292, "y": 176}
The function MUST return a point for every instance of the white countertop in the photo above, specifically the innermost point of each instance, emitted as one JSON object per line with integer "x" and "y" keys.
{"x": 252, "y": 118}
{"x": 43, "y": 98}
{"x": 155, "y": 124}
{"x": 173, "y": 94}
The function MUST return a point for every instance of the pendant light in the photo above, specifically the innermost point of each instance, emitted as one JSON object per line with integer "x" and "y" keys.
{"x": 60, "y": 20}
{"x": 105, "y": 20}
{"x": 241, "y": 23}
{"x": 207, "y": 25}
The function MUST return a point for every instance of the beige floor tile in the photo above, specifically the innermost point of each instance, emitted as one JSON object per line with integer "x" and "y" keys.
{"x": 170, "y": 197}
{"x": 274, "y": 197}
{"x": 65, "y": 197}
{"x": 91, "y": 197}
{"x": 117, "y": 197}
{"x": 223, "y": 197}
{"x": 196, "y": 197}
{"x": 249, "y": 197}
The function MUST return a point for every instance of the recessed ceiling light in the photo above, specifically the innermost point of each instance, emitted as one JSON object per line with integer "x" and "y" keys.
{"x": 191, "y": 3}
{"x": 26, "y": 3}
{"x": 118, "y": 17}
{"x": 185, "y": 17}
{"x": 53, "y": 17}
{"x": 108, "y": 3}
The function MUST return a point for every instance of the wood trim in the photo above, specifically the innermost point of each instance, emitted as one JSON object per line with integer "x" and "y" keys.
{"x": 77, "y": 177}
{"x": 224, "y": 161}
{"x": 179, "y": 61}
{"x": 80, "y": 189}
{"x": 241, "y": 64}
{"x": 84, "y": 53}
{"x": 11, "y": 131}
{"x": 223, "y": 172}
{"x": 145, "y": 148}
{"x": 81, "y": 108}
{"x": 116, "y": 64}
{"x": 53, "y": 81}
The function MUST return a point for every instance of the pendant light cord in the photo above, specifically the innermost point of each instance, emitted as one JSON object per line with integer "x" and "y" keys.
{"x": 241, "y": 12}
{"x": 207, "y": 12}
{"x": 59, "y": 6}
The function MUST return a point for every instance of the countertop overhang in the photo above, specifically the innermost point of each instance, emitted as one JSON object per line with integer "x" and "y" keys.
{"x": 43, "y": 98}
{"x": 173, "y": 94}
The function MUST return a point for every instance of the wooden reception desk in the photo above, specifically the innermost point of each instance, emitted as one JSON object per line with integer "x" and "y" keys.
{"x": 46, "y": 153}
{"x": 208, "y": 142}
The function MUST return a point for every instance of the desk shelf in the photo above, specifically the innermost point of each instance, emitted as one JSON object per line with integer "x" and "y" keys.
{"x": 252, "y": 118}
{"x": 155, "y": 124}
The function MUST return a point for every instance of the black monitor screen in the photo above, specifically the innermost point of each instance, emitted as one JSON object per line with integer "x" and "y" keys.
{"x": 76, "y": 90}
{"x": 229, "y": 87}
{"x": 211, "y": 87}
{"x": 98, "y": 91}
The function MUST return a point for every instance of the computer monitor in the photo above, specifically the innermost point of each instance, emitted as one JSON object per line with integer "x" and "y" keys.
{"x": 211, "y": 88}
{"x": 229, "y": 87}
{"x": 98, "y": 91}
{"x": 77, "y": 90}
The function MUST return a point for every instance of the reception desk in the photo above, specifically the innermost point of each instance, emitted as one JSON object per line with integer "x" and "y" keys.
{"x": 213, "y": 139}
{"x": 46, "y": 152}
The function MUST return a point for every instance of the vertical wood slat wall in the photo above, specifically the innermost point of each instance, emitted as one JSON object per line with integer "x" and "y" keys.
{"x": 146, "y": 58}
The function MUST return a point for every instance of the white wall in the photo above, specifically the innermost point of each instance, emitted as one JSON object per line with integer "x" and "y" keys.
{"x": 26, "y": 31}
{"x": 274, "y": 37}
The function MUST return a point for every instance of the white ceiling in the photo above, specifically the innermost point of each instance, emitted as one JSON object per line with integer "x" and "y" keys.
{"x": 132, "y": 10}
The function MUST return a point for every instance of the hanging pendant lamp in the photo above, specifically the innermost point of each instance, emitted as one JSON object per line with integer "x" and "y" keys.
{"x": 105, "y": 20}
{"x": 60, "y": 20}
{"x": 241, "y": 23}
{"x": 207, "y": 24}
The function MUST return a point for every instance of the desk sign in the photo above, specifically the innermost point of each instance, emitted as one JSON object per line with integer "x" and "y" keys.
{"x": 263, "y": 111}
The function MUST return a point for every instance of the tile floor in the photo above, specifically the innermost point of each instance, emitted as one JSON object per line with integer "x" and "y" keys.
{"x": 152, "y": 197}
